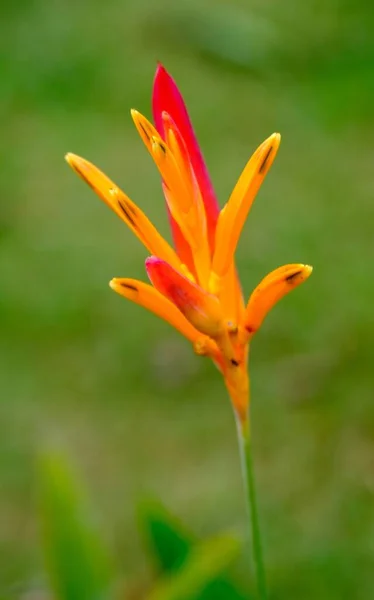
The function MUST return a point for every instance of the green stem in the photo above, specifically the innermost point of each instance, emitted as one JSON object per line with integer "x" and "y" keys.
{"x": 250, "y": 492}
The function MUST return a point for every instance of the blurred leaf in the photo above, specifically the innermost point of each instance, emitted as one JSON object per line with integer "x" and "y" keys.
{"x": 173, "y": 546}
{"x": 204, "y": 563}
{"x": 77, "y": 563}
{"x": 165, "y": 534}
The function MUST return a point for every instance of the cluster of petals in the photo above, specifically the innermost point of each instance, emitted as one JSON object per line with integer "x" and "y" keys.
{"x": 194, "y": 283}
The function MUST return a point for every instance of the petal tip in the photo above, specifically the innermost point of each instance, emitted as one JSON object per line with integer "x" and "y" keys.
{"x": 128, "y": 288}
{"x": 298, "y": 273}
{"x": 136, "y": 116}
{"x": 71, "y": 159}
{"x": 307, "y": 270}
{"x": 151, "y": 260}
{"x": 275, "y": 138}
{"x": 77, "y": 163}
{"x": 160, "y": 70}
{"x": 161, "y": 77}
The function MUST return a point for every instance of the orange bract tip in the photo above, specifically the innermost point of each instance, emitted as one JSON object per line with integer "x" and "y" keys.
{"x": 145, "y": 129}
{"x": 233, "y": 216}
{"x": 272, "y": 288}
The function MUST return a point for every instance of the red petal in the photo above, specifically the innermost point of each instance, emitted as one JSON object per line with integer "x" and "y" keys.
{"x": 167, "y": 97}
{"x": 199, "y": 307}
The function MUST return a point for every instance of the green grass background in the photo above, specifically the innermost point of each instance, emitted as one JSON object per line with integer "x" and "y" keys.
{"x": 117, "y": 389}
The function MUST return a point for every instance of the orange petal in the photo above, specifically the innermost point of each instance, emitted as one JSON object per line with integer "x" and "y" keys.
{"x": 164, "y": 159}
{"x": 179, "y": 217}
{"x": 124, "y": 208}
{"x": 181, "y": 193}
{"x": 228, "y": 290}
{"x": 195, "y": 237}
{"x": 202, "y": 309}
{"x": 146, "y": 132}
{"x": 271, "y": 289}
{"x": 233, "y": 215}
{"x": 178, "y": 147}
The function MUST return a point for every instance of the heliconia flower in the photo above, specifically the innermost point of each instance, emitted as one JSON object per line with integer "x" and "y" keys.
{"x": 195, "y": 286}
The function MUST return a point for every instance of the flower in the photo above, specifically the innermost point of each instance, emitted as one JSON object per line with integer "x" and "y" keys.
{"x": 195, "y": 286}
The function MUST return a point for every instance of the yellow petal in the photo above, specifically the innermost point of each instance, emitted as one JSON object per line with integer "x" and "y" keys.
{"x": 124, "y": 208}
{"x": 234, "y": 214}
{"x": 148, "y": 297}
{"x": 272, "y": 288}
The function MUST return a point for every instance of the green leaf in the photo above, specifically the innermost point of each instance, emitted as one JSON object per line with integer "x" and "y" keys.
{"x": 173, "y": 545}
{"x": 166, "y": 536}
{"x": 78, "y": 565}
{"x": 203, "y": 564}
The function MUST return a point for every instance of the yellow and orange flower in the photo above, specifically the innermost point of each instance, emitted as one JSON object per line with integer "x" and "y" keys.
{"x": 195, "y": 286}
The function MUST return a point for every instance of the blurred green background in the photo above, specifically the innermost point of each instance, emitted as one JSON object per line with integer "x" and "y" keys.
{"x": 116, "y": 388}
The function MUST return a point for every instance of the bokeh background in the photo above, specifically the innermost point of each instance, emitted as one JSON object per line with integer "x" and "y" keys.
{"x": 117, "y": 389}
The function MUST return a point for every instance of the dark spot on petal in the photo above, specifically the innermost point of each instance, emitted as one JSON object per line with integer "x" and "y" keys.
{"x": 129, "y": 286}
{"x": 290, "y": 278}
{"x": 130, "y": 208}
{"x": 249, "y": 329}
{"x": 263, "y": 164}
{"x": 234, "y": 362}
{"x": 126, "y": 209}
{"x": 144, "y": 130}
{"x": 162, "y": 147}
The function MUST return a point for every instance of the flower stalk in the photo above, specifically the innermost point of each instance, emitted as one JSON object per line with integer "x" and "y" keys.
{"x": 245, "y": 446}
